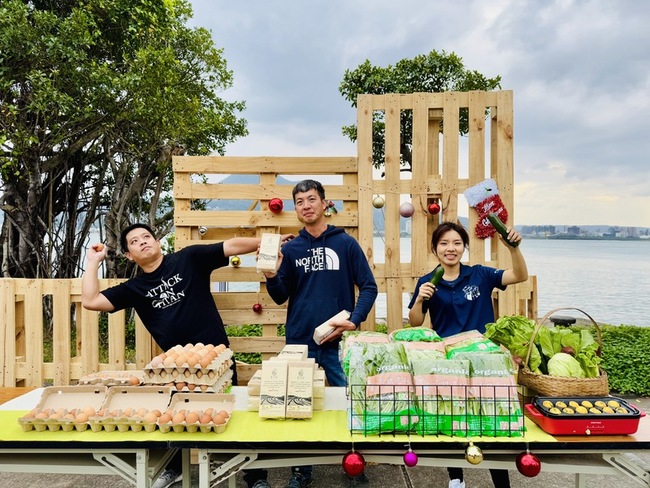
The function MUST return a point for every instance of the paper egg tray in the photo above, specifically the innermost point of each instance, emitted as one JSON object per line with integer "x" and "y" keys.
{"x": 183, "y": 373}
{"x": 199, "y": 402}
{"x": 60, "y": 400}
{"x": 113, "y": 378}
{"x": 223, "y": 383}
{"x": 125, "y": 408}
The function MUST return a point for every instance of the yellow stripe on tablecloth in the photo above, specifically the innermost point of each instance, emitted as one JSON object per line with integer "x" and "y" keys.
{"x": 325, "y": 426}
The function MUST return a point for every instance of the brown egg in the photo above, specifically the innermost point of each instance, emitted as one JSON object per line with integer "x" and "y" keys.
{"x": 150, "y": 418}
{"x": 157, "y": 412}
{"x": 219, "y": 419}
{"x": 169, "y": 362}
{"x": 205, "y": 362}
{"x": 165, "y": 418}
{"x": 181, "y": 360}
{"x": 141, "y": 412}
{"x": 81, "y": 418}
{"x": 69, "y": 417}
{"x": 134, "y": 381}
{"x": 192, "y": 417}
{"x": 41, "y": 415}
{"x": 224, "y": 413}
{"x": 90, "y": 411}
{"x": 128, "y": 412}
{"x": 178, "y": 418}
{"x": 205, "y": 418}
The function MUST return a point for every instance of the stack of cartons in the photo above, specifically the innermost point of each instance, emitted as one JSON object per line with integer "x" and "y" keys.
{"x": 289, "y": 385}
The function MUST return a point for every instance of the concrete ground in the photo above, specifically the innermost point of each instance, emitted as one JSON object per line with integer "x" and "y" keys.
{"x": 332, "y": 476}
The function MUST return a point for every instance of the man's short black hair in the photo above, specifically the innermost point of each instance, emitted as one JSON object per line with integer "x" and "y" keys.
{"x": 306, "y": 185}
{"x": 123, "y": 243}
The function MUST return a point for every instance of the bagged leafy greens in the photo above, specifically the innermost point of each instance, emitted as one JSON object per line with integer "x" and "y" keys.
{"x": 381, "y": 388}
{"x": 415, "y": 334}
{"x": 493, "y": 404}
{"x": 471, "y": 341}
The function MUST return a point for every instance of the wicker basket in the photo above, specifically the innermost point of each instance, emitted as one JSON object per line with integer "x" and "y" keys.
{"x": 559, "y": 386}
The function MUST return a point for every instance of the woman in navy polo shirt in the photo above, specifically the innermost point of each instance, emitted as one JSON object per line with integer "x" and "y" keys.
{"x": 462, "y": 299}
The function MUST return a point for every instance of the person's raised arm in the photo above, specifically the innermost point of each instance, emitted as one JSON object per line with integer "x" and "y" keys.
{"x": 244, "y": 245}
{"x": 519, "y": 270}
{"x": 91, "y": 298}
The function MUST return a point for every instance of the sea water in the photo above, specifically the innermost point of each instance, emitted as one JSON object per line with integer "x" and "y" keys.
{"x": 608, "y": 279}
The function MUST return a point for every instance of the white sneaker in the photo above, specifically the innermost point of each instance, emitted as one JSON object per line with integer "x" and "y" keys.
{"x": 168, "y": 478}
{"x": 456, "y": 483}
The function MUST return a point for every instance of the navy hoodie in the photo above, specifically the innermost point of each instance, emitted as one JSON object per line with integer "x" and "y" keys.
{"x": 317, "y": 276}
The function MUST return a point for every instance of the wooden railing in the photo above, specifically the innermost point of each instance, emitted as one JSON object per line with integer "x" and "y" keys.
{"x": 35, "y": 312}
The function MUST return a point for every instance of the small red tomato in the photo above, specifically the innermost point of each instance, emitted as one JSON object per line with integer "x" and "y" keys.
{"x": 257, "y": 308}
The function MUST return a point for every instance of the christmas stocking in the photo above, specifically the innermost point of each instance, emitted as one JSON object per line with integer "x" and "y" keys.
{"x": 484, "y": 197}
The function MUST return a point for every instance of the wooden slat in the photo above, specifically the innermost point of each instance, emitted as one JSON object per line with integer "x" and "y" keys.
{"x": 61, "y": 332}
{"x": 8, "y": 328}
{"x": 34, "y": 332}
{"x": 476, "y": 165}
{"x": 252, "y": 165}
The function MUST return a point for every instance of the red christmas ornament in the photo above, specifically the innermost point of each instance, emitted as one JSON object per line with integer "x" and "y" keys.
{"x": 406, "y": 210}
{"x": 528, "y": 464}
{"x": 434, "y": 208}
{"x": 353, "y": 464}
{"x": 410, "y": 458}
{"x": 257, "y": 308}
{"x": 276, "y": 205}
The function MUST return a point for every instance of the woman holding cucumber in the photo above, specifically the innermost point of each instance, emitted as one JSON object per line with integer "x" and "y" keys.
{"x": 458, "y": 298}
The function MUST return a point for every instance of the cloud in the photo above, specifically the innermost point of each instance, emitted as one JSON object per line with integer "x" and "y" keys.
{"x": 579, "y": 69}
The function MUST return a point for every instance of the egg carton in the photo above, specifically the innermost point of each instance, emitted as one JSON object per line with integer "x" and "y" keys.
{"x": 222, "y": 385}
{"x": 125, "y": 408}
{"x": 203, "y": 406}
{"x": 187, "y": 374}
{"x": 61, "y": 408}
{"x": 113, "y": 378}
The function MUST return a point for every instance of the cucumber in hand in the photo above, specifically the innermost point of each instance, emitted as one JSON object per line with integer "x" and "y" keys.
{"x": 501, "y": 228}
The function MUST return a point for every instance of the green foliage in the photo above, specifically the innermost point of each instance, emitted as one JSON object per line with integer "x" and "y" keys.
{"x": 435, "y": 72}
{"x": 96, "y": 98}
{"x": 626, "y": 358}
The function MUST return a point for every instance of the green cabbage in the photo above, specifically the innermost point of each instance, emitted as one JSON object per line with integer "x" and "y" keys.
{"x": 562, "y": 364}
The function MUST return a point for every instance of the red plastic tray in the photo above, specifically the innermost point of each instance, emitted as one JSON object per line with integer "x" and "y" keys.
{"x": 585, "y": 424}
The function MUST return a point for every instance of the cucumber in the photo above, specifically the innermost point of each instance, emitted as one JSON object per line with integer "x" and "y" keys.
{"x": 437, "y": 275}
{"x": 500, "y": 228}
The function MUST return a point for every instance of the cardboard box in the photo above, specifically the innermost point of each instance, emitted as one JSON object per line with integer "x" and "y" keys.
{"x": 324, "y": 330}
{"x": 273, "y": 389}
{"x": 267, "y": 258}
{"x": 294, "y": 351}
{"x": 300, "y": 387}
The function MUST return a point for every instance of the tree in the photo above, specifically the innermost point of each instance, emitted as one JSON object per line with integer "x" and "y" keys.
{"x": 96, "y": 96}
{"x": 434, "y": 73}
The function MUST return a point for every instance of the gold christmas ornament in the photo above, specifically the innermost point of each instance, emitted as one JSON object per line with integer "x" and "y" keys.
{"x": 378, "y": 202}
{"x": 235, "y": 261}
{"x": 473, "y": 454}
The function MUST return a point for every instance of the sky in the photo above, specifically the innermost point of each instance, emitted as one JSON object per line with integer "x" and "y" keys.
{"x": 579, "y": 71}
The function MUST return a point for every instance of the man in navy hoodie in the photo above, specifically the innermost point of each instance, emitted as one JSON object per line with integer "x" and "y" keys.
{"x": 318, "y": 272}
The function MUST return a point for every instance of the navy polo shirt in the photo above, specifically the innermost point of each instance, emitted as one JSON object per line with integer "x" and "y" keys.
{"x": 463, "y": 304}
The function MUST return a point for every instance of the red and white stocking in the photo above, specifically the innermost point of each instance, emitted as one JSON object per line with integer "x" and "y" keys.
{"x": 485, "y": 199}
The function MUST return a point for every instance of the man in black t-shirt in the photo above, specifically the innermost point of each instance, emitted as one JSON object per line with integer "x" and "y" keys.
{"x": 171, "y": 295}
